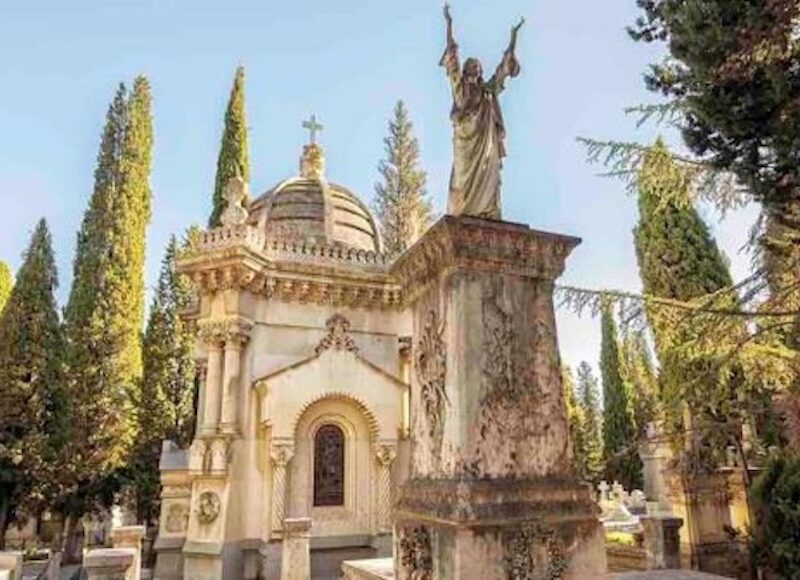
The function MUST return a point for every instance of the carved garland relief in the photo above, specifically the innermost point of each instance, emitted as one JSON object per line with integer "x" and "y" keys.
{"x": 523, "y": 549}
{"x": 416, "y": 556}
{"x": 430, "y": 364}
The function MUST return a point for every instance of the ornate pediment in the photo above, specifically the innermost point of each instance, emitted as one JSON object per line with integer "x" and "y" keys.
{"x": 338, "y": 337}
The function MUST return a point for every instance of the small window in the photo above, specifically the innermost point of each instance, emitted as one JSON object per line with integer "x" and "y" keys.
{"x": 329, "y": 466}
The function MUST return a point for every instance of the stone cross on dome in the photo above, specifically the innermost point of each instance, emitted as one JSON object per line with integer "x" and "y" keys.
{"x": 312, "y": 126}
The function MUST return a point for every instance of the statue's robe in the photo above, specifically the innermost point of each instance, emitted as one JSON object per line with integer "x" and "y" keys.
{"x": 478, "y": 134}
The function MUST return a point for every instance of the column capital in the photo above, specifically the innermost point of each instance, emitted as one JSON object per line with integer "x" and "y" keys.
{"x": 386, "y": 453}
{"x": 227, "y": 329}
{"x": 281, "y": 453}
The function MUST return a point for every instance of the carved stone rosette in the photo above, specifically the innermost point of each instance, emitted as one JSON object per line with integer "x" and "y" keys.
{"x": 280, "y": 454}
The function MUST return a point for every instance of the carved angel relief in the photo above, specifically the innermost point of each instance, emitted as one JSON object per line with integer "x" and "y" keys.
{"x": 430, "y": 364}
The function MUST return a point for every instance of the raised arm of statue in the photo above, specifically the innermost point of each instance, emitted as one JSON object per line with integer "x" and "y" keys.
{"x": 449, "y": 59}
{"x": 509, "y": 65}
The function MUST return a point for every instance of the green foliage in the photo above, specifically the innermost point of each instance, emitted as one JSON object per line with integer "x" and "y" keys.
{"x": 6, "y": 283}
{"x": 733, "y": 66}
{"x": 641, "y": 374}
{"x": 575, "y": 418}
{"x": 776, "y": 497}
{"x": 592, "y": 438}
{"x": 30, "y": 346}
{"x": 164, "y": 409}
{"x": 233, "y": 156}
{"x": 678, "y": 259}
{"x": 401, "y": 202}
{"x": 619, "y": 428}
{"x": 103, "y": 317}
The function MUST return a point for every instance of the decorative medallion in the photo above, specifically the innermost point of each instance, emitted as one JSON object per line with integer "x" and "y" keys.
{"x": 525, "y": 546}
{"x": 338, "y": 337}
{"x": 208, "y": 507}
{"x": 177, "y": 518}
{"x": 430, "y": 363}
{"x": 415, "y": 555}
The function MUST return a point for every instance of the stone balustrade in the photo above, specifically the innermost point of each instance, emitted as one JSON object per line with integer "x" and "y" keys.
{"x": 227, "y": 236}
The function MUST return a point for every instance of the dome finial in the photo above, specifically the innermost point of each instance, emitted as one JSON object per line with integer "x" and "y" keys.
{"x": 312, "y": 163}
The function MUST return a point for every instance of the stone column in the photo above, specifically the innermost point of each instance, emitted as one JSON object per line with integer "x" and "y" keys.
{"x": 385, "y": 455}
{"x": 231, "y": 382}
{"x": 213, "y": 387}
{"x": 296, "y": 558}
{"x": 491, "y": 494}
{"x": 662, "y": 542}
{"x": 201, "y": 371}
{"x": 281, "y": 454}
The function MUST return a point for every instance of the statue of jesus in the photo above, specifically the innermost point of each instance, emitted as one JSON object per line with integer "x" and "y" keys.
{"x": 478, "y": 130}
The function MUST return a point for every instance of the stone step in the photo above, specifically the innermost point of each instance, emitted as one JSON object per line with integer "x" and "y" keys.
{"x": 326, "y": 564}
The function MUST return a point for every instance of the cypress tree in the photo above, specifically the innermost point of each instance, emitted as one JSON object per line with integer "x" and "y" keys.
{"x": 30, "y": 345}
{"x": 619, "y": 429}
{"x": 589, "y": 401}
{"x": 641, "y": 374}
{"x": 165, "y": 406}
{"x": 233, "y": 156}
{"x": 401, "y": 202}
{"x": 678, "y": 259}
{"x": 6, "y": 282}
{"x": 575, "y": 420}
{"x": 104, "y": 313}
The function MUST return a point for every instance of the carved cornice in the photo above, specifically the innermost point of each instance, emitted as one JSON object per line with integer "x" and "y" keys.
{"x": 469, "y": 243}
{"x": 228, "y": 329}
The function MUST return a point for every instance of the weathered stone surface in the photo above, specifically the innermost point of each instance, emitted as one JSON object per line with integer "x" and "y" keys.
{"x": 110, "y": 564}
{"x": 662, "y": 542}
{"x": 492, "y": 493}
{"x": 296, "y": 559}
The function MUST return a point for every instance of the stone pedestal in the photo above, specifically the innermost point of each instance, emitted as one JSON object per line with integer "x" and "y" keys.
{"x": 130, "y": 537}
{"x": 492, "y": 493}
{"x": 662, "y": 542}
{"x": 11, "y": 562}
{"x": 296, "y": 559}
{"x": 110, "y": 564}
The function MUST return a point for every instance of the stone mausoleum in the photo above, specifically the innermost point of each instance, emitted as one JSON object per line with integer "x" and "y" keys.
{"x": 303, "y": 406}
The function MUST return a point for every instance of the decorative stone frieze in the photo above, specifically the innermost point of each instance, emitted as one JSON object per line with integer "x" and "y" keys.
{"x": 338, "y": 337}
{"x": 520, "y": 547}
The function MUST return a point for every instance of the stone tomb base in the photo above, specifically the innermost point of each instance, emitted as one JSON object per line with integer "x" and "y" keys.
{"x": 497, "y": 529}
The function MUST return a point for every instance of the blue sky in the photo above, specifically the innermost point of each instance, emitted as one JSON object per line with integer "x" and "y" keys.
{"x": 347, "y": 62}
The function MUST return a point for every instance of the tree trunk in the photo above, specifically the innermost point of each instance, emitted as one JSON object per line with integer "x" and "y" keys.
{"x": 73, "y": 540}
{"x": 5, "y": 520}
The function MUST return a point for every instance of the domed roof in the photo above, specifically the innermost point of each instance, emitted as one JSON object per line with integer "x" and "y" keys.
{"x": 309, "y": 208}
